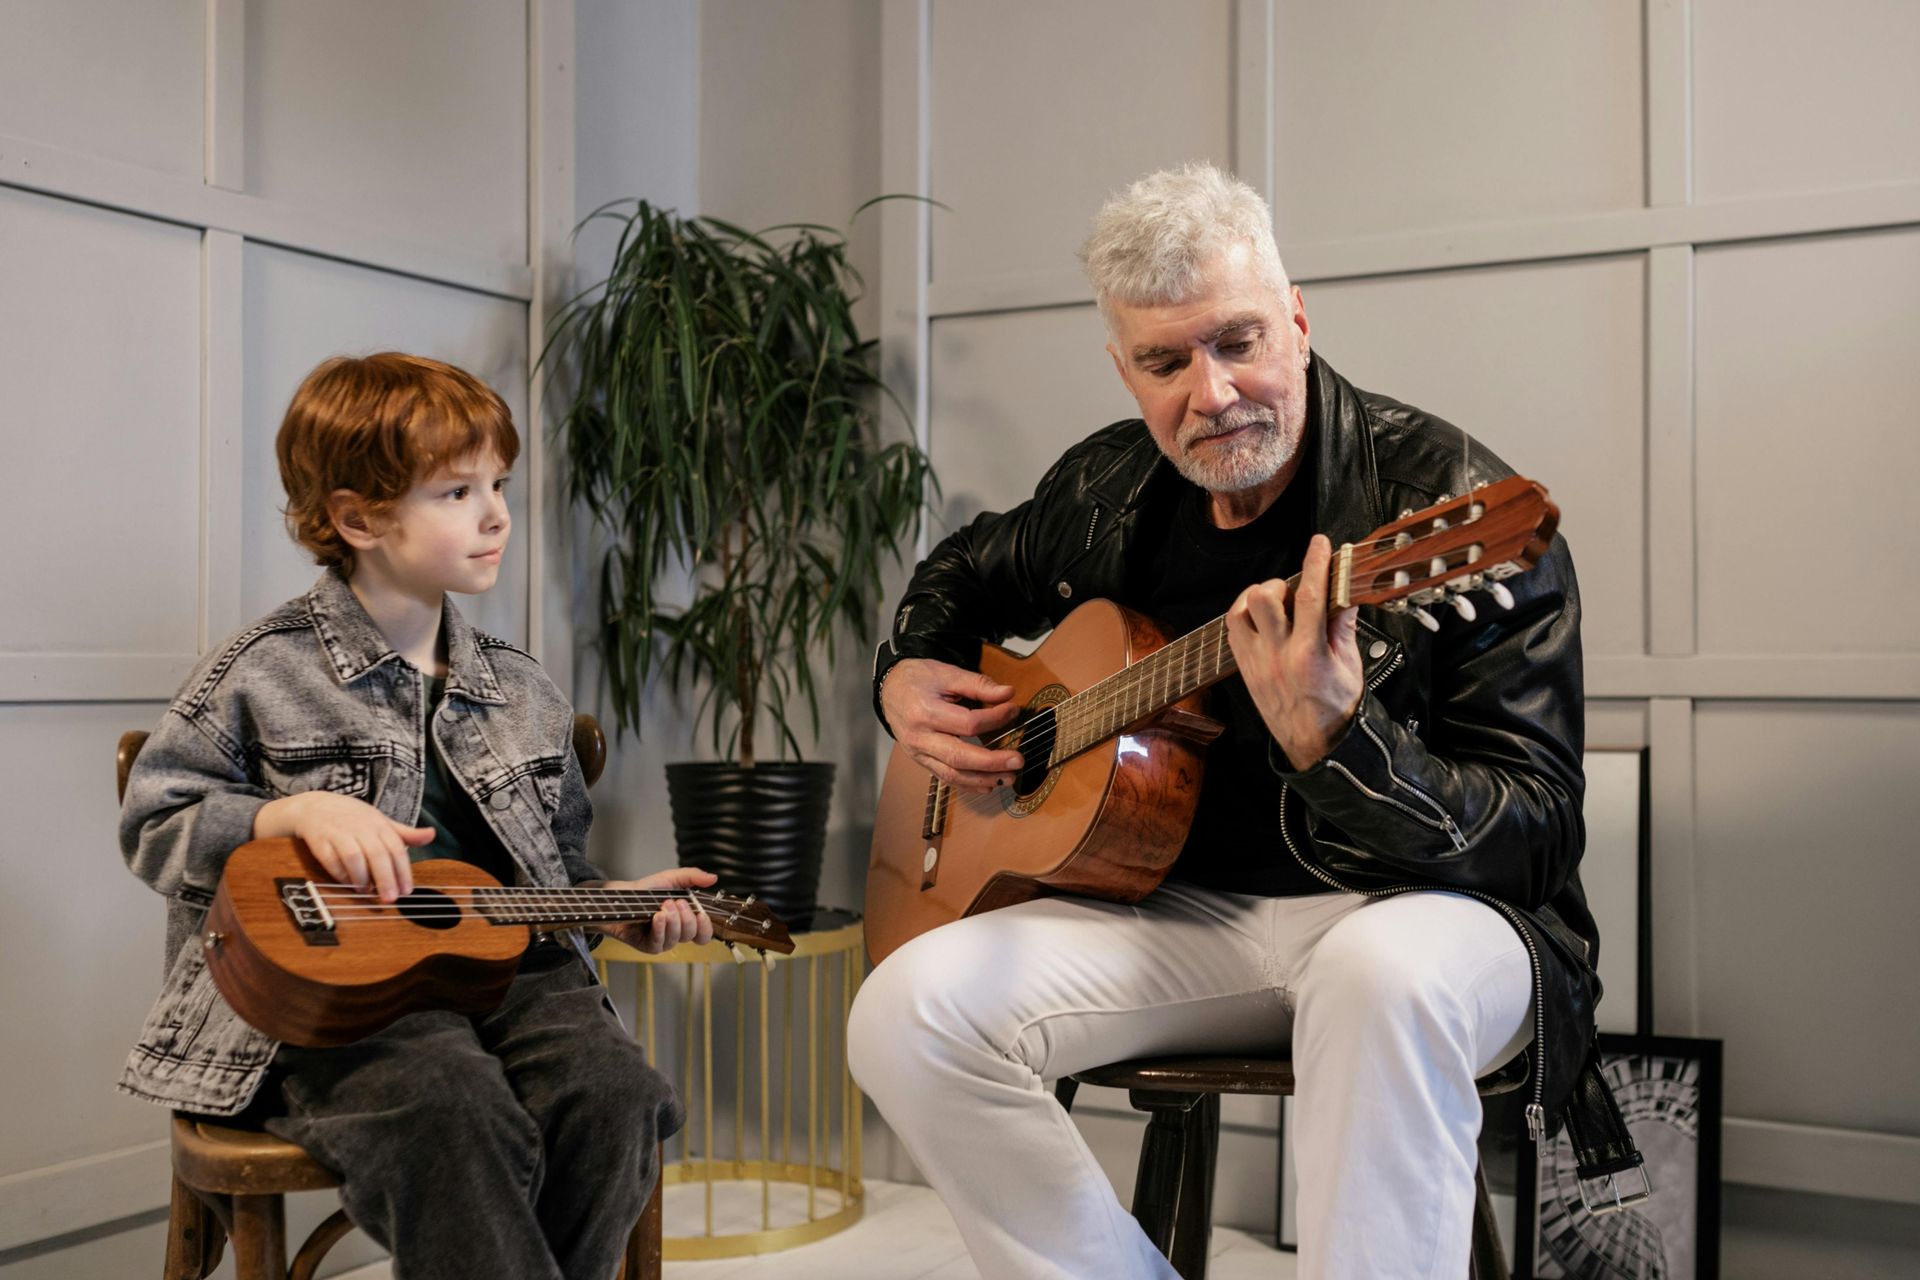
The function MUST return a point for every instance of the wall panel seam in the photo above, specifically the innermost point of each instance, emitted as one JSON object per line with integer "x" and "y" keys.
{"x": 126, "y": 188}
{"x": 1523, "y": 243}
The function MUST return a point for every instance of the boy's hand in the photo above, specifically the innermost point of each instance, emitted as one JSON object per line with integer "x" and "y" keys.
{"x": 677, "y": 920}
{"x": 355, "y": 842}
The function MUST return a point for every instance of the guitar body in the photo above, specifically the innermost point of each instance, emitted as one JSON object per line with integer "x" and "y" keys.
{"x": 1107, "y": 823}
{"x": 320, "y": 988}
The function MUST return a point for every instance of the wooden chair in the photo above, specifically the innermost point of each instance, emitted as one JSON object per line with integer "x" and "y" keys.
{"x": 231, "y": 1183}
{"x": 1173, "y": 1192}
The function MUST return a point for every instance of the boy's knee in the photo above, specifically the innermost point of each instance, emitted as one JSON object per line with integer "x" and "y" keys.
{"x": 610, "y": 1092}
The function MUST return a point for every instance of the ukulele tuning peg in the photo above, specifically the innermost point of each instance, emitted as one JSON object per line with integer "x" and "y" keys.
{"x": 1463, "y": 607}
{"x": 739, "y": 956}
{"x": 1424, "y": 618}
{"x": 1501, "y": 596}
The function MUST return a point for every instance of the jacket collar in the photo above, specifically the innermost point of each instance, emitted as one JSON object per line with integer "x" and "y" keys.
{"x": 354, "y": 645}
{"x": 1346, "y": 500}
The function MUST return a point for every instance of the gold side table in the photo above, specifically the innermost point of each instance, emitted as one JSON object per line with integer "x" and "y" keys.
{"x": 813, "y": 989}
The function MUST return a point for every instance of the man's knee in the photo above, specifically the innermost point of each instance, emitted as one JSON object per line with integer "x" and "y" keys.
{"x": 904, "y": 1019}
{"x": 1369, "y": 970}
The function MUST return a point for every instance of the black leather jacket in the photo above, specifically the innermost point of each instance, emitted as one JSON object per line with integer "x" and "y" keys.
{"x": 1462, "y": 768}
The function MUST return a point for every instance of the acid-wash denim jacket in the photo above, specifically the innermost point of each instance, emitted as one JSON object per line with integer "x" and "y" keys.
{"x": 313, "y": 698}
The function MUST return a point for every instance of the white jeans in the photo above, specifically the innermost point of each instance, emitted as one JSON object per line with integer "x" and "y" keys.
{"x": 1393, "y": 1006}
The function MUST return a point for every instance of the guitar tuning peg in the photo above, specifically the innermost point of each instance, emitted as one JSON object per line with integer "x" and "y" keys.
{"x": 1501, "y": 596}
{"x": 1424, "y": 618}
{"x": 739, "y": 956}
{"x": 1463, "y": 607}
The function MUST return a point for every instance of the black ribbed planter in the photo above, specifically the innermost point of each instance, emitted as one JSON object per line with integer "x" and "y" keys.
{"x": 761, "y": 829}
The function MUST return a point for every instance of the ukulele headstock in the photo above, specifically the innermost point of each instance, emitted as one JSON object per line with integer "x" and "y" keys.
{"x": 744, "y": 922}
{"x": 1453, "y": 547}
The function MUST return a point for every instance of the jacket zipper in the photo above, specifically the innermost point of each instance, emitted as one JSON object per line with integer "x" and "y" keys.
{"x": 1445, "y": 821}
{"x": 1536, "y": 1110}
{"x": 1093, "y": 522}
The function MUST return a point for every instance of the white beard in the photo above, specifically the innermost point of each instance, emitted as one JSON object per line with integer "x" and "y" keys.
{"x": 1235, "y": 466}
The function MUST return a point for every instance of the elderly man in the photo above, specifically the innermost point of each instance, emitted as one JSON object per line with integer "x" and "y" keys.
{"x": 1363, "y": 755}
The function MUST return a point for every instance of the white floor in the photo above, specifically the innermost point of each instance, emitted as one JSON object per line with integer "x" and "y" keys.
{"x": 906, "y": 1234}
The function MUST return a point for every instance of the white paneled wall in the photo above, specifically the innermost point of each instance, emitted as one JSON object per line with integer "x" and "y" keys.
{"x": 199, "y": 201}
{"x": 1660, "y": 256}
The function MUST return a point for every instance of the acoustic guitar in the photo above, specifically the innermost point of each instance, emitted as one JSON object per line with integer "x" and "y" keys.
{"x": 313, "y": 962}
{"x": 1112, "y": 730}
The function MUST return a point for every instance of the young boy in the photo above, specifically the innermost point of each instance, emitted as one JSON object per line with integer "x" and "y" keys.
{"x": 368, "y": 719}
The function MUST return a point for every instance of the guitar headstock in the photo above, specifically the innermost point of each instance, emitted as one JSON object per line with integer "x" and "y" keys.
{"x": 744, "y": 922}
{"x": 1451, "y": 548}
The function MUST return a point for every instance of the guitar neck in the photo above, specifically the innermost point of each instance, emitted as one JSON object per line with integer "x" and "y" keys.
{"x": 1143, "y": 689}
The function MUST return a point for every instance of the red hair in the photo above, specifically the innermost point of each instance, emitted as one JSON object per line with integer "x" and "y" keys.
{"x": 378, "y": 425}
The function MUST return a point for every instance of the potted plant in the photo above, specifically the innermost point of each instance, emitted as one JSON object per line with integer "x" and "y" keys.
{"x": 722, "y": 430}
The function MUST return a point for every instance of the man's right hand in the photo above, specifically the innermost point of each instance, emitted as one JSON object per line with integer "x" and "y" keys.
{"x": 355, "y": 842}
{"x": 930, "y": 707}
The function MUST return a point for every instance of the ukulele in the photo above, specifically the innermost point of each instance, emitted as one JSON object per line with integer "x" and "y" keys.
{"x": 312, "y": 962}
{"x": 1112, "y": 730}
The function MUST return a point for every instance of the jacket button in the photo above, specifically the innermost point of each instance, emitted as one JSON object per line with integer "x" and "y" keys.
{"x": 1066, "y": 590}
{"x": 501, "y": 798}
{"x": 1377, "y": 650}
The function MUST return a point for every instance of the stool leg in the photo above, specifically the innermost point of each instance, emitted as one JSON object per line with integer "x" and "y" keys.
{"x": 1193, "y": 1218}
{"x": 193, "y": 1236}
{"x": 1161, "y": 1185}
{"x": 259, "y": 1237}
{"x": 1489, "y": 1260}
{"x": 644, "y": 1245}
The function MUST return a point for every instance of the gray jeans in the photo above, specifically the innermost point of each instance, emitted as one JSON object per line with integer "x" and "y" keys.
{"x": 522, "y": 1144}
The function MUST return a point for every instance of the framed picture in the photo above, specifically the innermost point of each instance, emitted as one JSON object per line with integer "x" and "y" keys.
{"x": 1668, "y": 1089}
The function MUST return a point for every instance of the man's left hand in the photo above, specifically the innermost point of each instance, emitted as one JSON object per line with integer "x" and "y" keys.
{"x": 1302, "y": 667}
{"x": 677, "y": 920}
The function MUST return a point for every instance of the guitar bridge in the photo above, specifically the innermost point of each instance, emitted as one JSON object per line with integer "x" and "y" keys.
{"x": 308, "y": 910}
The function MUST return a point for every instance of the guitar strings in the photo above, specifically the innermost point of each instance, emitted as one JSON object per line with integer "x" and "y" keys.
{"x": 1098, "y": 697}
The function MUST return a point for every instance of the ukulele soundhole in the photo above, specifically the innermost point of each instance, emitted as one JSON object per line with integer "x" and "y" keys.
{"x": 1034, "y": 739}
{"x": 430, "y": 909}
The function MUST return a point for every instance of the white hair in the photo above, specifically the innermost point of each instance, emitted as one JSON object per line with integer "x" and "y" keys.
{"x": 1150, "y": 242}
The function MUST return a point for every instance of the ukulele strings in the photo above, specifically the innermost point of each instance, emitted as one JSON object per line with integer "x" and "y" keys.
{"x": 462, "y": 900}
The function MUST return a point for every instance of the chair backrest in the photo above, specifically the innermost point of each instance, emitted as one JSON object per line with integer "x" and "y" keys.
{"x": 589, "y": 743}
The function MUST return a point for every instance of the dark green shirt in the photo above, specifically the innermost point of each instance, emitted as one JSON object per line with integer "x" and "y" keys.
{"x": 460, "y": 832}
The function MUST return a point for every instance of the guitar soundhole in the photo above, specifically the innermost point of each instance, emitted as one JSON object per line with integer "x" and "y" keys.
{"x": 430, "y": 909}
{"x": 1036, "y": 750}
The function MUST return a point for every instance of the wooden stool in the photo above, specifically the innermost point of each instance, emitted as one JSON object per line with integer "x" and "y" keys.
{"x": 231, "y": 1184}
{"x": 1173, "y": 1192}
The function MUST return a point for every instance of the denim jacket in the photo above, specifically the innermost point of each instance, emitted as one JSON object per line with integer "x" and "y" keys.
{"x": 310, "y": 698}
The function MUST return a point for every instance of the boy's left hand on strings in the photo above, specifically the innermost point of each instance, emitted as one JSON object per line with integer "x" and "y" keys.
{"x": 677, "y": 921}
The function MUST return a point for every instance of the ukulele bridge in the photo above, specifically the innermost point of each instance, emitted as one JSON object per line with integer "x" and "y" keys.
{"x": 308, "y": 910}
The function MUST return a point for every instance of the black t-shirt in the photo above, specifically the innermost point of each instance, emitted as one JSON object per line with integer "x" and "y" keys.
{"x": 1185, "y": 573}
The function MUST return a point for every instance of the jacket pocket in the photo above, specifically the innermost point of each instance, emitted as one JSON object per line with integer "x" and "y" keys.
{"x": 288, "y": 773}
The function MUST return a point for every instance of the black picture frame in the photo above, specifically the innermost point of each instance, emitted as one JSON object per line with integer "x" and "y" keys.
{"x": 1669, "y": 1089}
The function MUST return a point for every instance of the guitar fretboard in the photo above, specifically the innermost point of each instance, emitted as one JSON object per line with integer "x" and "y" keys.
{"x": 1181, "y": 667}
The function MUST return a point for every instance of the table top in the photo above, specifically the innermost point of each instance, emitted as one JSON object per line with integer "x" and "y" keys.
{"x": 831, "y": 930}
